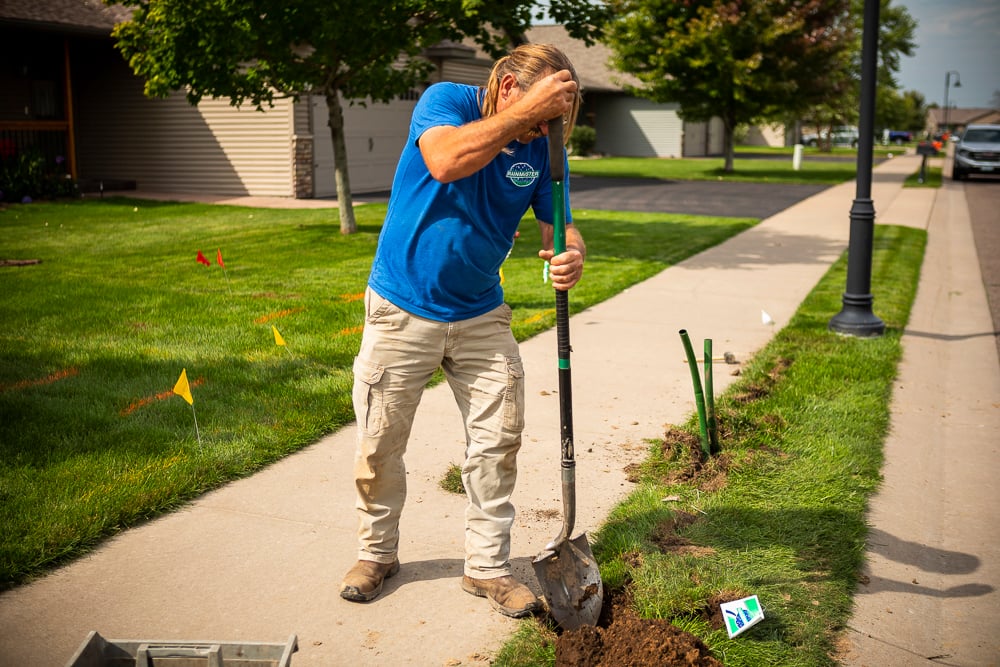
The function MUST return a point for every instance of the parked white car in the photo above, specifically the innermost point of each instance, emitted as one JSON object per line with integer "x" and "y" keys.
{"x": 842, "y": 135}
{"x": 977, "y": 152}
{"x": 845, "y": 135}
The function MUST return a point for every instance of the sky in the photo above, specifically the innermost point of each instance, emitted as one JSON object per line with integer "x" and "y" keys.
{"x": 953, "y": 36}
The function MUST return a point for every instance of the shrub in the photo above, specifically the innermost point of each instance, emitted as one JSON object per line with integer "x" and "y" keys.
{"x": 582, "y": 140}
{"x": 27, "y": 175}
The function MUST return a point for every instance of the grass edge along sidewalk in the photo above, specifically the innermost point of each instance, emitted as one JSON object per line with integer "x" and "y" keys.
{"x": 129, "y": 293}
{"x": 781, "y": 512}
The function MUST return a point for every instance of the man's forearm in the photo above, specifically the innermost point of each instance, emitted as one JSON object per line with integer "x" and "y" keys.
{"x": 452, "y": 153}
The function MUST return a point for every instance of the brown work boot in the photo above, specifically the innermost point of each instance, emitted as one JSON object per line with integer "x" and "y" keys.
{"x": 506, "y": 594}
{"x": 363, "y": 582}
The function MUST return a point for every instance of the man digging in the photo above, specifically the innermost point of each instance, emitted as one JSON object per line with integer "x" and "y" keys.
{"x": 475, "y": 161}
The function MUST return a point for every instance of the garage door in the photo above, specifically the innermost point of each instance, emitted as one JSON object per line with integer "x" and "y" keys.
{"x": 635, "y": 127}
{"x": 375, "y": 136}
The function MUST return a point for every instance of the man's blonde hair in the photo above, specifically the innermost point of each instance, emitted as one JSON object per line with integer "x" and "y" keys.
{"x": 528, "y": 63}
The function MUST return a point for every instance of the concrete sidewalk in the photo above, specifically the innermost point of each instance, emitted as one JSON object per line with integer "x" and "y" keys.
{"x": 262, "y": 558}
{"x": 930, "y": 592}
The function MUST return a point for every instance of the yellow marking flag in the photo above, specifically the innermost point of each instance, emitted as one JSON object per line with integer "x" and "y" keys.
{"x": 278, "y": 340}
{"x": 183, "y": 389}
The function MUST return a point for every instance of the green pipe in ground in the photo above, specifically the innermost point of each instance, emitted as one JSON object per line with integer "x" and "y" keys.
{"x": 713, "y": 426}
{"x": 699, "y": 397}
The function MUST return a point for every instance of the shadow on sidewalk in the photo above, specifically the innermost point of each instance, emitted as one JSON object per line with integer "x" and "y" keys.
{"x": 881, "y": 585}
{"x": 949, "y": 337}
{"x": 765, "y": 250}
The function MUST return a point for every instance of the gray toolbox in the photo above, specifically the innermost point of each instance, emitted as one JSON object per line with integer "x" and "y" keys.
{"x": 97, "y": 651}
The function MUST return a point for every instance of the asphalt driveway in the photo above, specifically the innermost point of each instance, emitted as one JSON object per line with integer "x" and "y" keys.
{"x": 729, "y": 199}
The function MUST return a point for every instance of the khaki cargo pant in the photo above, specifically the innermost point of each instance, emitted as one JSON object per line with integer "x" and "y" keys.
{"x": 480, "y": 358}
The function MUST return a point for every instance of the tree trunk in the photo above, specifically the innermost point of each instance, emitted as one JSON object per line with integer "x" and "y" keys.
{"x": 826, "y": 145}
{"x": 727, "y": 145}
{"x": 348, "y": 225}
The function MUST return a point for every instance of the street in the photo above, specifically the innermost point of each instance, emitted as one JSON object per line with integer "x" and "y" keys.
{"x": 983, "y": 197}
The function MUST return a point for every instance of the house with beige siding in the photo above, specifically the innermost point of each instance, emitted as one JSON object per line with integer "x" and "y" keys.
{"x": 957, "y": 118}
{"x": 66, "y": 91}
{"x": 626, "y": 125}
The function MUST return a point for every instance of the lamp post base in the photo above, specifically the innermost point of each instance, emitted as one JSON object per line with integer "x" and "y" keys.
{"x": 856, "y": 318}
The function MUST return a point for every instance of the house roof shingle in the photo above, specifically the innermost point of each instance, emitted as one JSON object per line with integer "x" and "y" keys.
{"x": 88, "y": 16}
{"x": 957, "y": 116}
{"x": 592, "y": 63}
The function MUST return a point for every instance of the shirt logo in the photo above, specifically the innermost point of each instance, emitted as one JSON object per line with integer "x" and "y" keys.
{"x": 522, "y": 174}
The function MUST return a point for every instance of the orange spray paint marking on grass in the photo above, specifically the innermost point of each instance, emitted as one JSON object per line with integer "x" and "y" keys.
{"x": 264, "y": 319}
{"x": 538, "y": 316}
{"x": 352, "y": 330}
{"x": 352, "y": 297}
{"x": 54, "y": 377}
{"x": 162, "y": 396}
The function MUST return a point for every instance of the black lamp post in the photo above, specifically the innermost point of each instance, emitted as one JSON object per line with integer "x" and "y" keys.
{"x": 856, "y": 317}
{"x": 947, "y": 85}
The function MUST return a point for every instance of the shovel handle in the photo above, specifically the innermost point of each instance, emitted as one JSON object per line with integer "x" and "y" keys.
{"x": 557, "y": 168}
{"x": 568, "y": 462}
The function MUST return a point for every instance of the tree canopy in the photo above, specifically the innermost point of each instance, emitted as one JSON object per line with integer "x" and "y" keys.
{"x": 752, "y": 61}
{"x": 253, "y": 51}
{"x": 744, "y": 61}
{"x": 900, "y": 111}
{"x": 892, "y": 110}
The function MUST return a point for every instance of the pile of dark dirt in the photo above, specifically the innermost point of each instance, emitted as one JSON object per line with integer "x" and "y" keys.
{"x": 684, "y": 448}
{"x": 623, "y": 639}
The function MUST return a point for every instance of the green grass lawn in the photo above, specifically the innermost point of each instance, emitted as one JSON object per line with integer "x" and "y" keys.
{"x": 746, "y": 169}
{"x": 748, "y": 166}
{"x": 878, "y": 150}
{"x": 95, "y": 335}
{"x": 931, "y": 178}
{"x": 781, "y": 512}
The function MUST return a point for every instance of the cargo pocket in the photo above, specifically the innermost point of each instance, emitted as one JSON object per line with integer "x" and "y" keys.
{"x": 368, "y": 395}
{"x": 513, "y": 398}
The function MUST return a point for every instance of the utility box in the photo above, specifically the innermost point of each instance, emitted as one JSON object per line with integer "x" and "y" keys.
{"x": 97, "y": 651}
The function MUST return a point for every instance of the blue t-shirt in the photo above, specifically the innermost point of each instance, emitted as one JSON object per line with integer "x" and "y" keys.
{"x": 442, "y": 244}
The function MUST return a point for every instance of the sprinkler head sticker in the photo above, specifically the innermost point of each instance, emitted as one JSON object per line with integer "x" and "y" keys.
{"x": 741, "y": 615}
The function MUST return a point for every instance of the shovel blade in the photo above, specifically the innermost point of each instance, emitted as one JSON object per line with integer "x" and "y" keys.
{"x": 571, "y": 583}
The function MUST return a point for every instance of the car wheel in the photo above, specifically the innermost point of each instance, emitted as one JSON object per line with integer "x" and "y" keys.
{"x": 854, "y": 143}
{"x": 957, "y": 174}
{"x": 811, "y": 143}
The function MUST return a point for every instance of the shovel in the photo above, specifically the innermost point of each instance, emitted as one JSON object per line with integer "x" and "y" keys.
{"x": 567, "y": 571}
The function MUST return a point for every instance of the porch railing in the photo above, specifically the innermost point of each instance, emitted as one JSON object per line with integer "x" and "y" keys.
{"x": 48, "y": 138}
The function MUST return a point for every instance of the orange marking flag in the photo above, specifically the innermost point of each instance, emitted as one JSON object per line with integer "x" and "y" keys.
{"x": 202, "y": 259}
{"x": 218, "y": 257}
{"x": 183, "y": 389}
